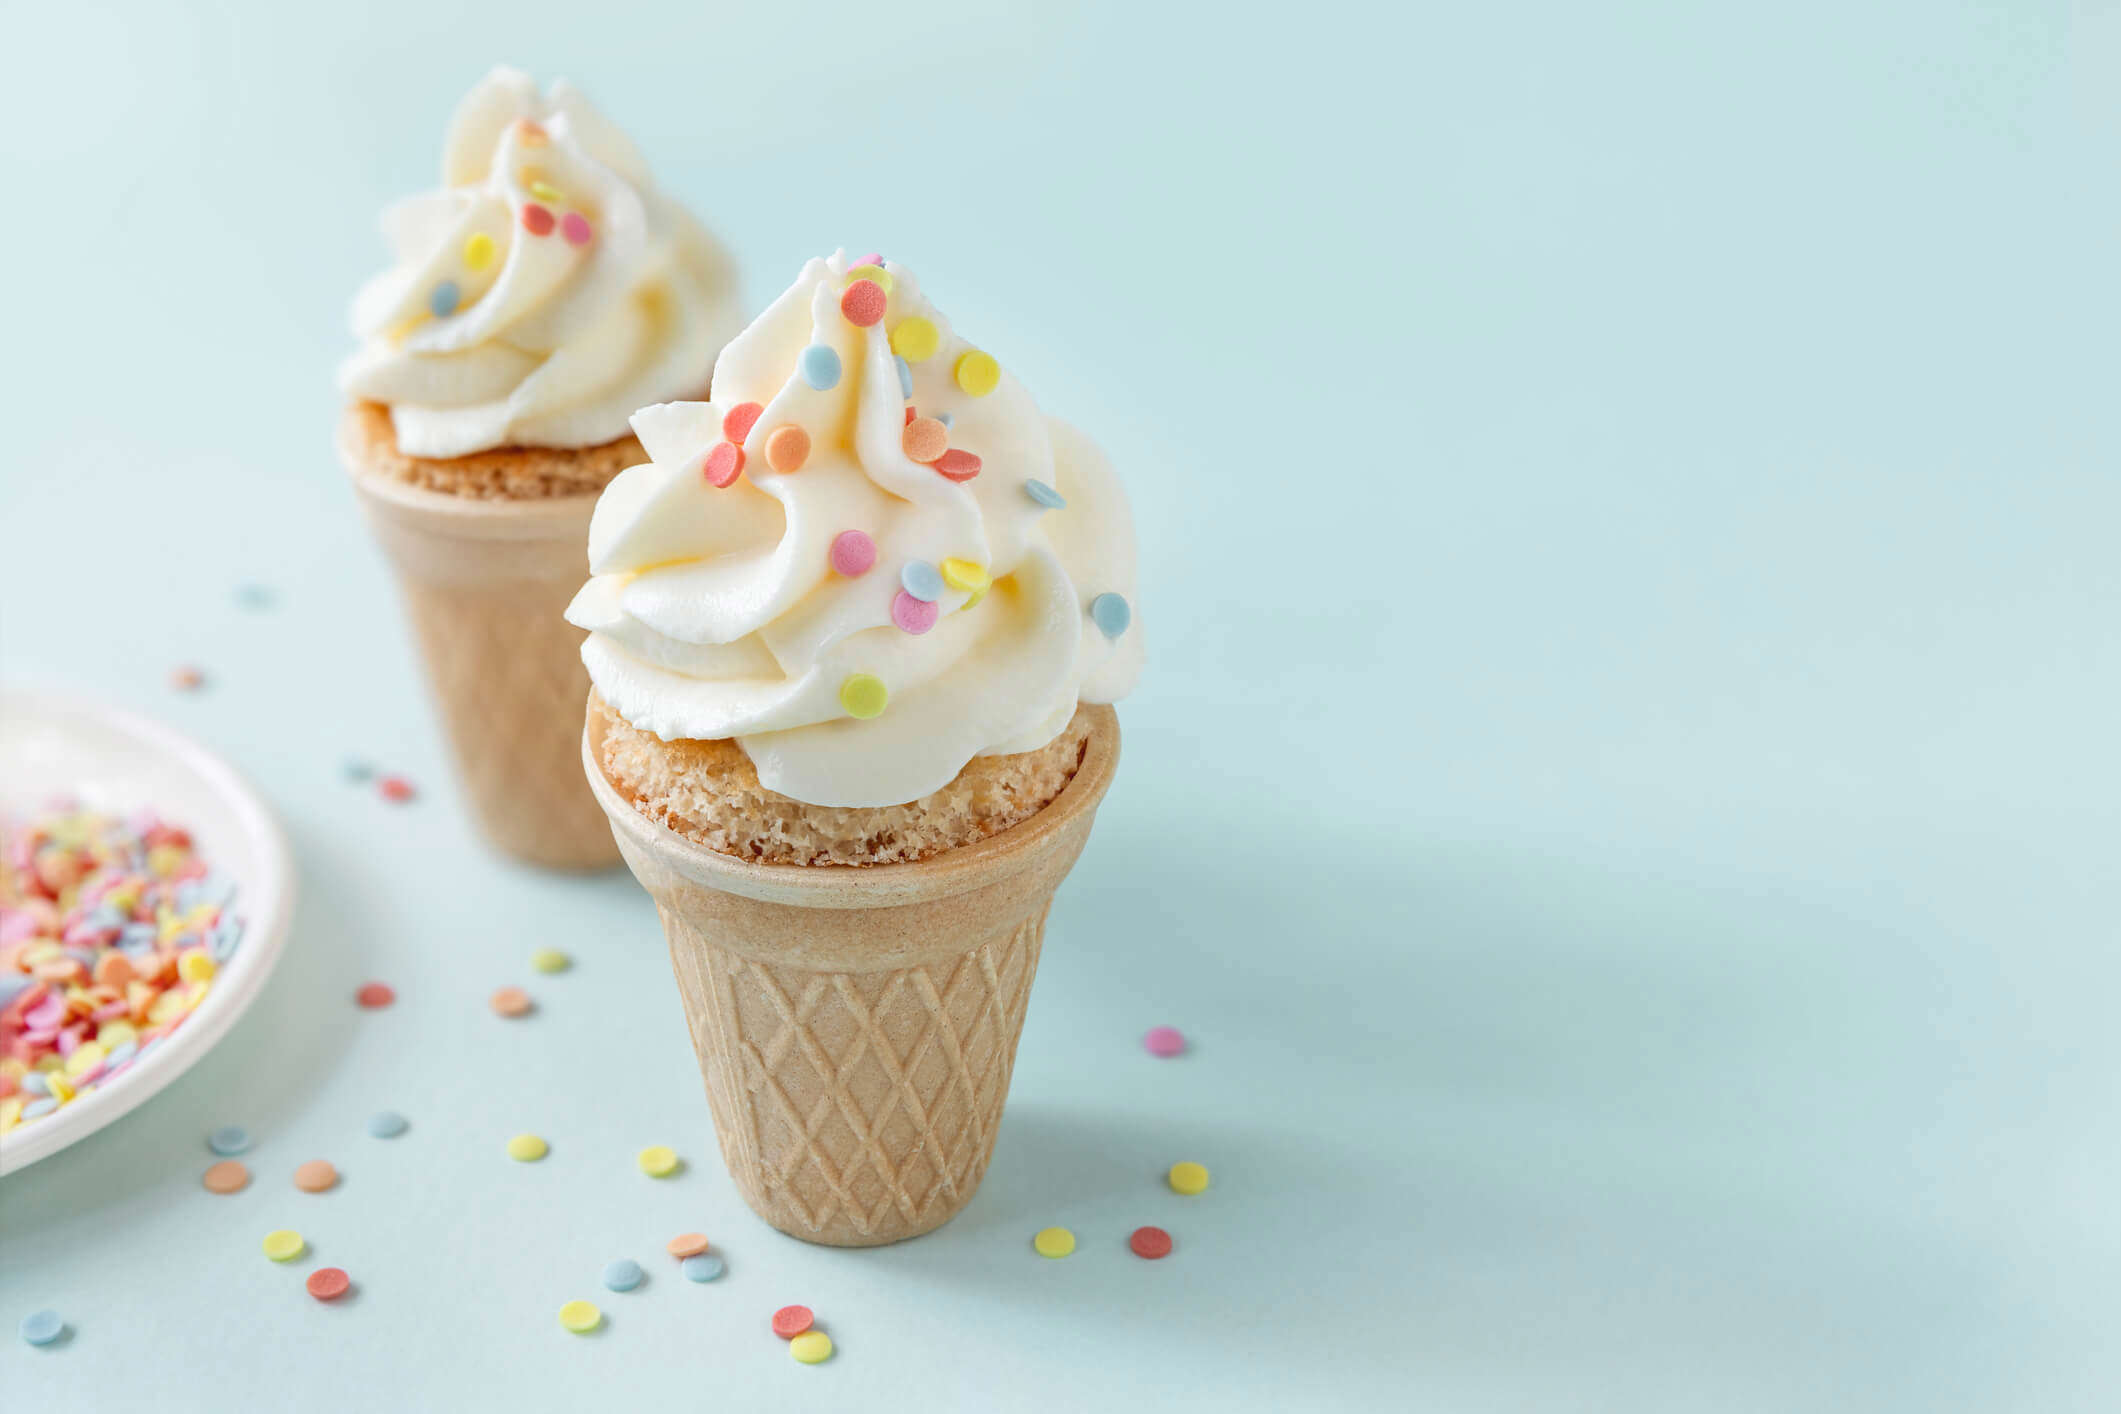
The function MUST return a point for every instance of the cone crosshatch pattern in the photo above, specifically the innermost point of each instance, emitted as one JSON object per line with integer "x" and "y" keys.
{"x": 857, "y": 1108}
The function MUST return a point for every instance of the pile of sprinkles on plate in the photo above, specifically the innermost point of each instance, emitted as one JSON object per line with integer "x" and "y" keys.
{"x": 111, "y": 931}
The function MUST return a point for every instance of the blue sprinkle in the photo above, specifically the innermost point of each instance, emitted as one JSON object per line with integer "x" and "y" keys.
{"x": 42, "y": 1327}
{"x": 922, "y": 580}
{"x": 820, "y": 367}
{"x": 905, "y": 376}
{"x": 945, "y": 418}
{"x": 356, "y": 770}
{"x": 13, "y": 985}
{"x": 136, "y": 935}
{"x": 225, "y": 939}
{"x": 254, "y": 596}
{"x": 1111, "y": 614}
{"x": 386, "y": 1124}
{"x": 37, "y": 1108}
{"x": 34, "y": 1083}
{"x": 1045, "y": 495}
{"x": 443, "y": 301}
{"x": 705, "y": 1267}
{"x": 229, "y": 1140}
{"x": 119, "y": 1055}
{"x": 625, "y": 1274}
{"x": 105, "y": 918}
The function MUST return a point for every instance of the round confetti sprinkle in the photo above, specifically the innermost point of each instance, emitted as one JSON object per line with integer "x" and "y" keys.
{"x": 921, "y": 580}
{"x": 537, "y": 220}
{"x": 788, "y": 448}
{"x": 1111, "y": 614}
{"x": 811, "y": 1347}
{"x": 544, "y": 190}
{"x": 581, "y": 1317}
{"x": 386, "y": 1124}
{"x": 228, "y": 1176}
{"x": 229, "y": 1140}
{"x": 374, "y": 995}
{"x": 853, "y": 553}
{"x": 1150, "y": 1242}
{"x": 510, "y": 1001}
{"x": 739, "y": 420}
{"x": 527, "y": 1148}
{"x": 193, "y": 965}
{"x": 1045, "y": 495}
{"x": 328, "y": 1283}
{"x": 396, "y": 789}
{"x": 531, "y": 133}
{"x": 915, "y": 339}
{"x": 977, "y": 373}
{"x": 791, "y": 1321}
{"x": 905, "y": 375}
{"x": 705, "y": 1267}
{"x": 924, "y": 440}
{"x": 863, "y": 695}
{"x": 478, "y": 251}
{"x": 1164, "y": 1041}
{"x": 820, "y": 367}
{"x": 873, "y": 258}
{"x": 958, "y": 465}
{"x": 874, "y": 272}
{"x": 725, "y": 462}
{"x": 42, "y": 1327}
{"x": 657, "y": 1160}
{"x": 623, "y": 1275}
{"x": 442, "y": 300}
{"x": 1053, "y": 1242}
{"x": 574, "y": 229}
{"x": 965, "y": 575}
{"x": 913, "y": 615}
{"x": 686, "y": 1244}
{"x": 1188, "y": 1178}
{"x": 186, "y": 678}
{"x": 550, "y": 960}
{"x": 284, "y": 1245}
{"x": 356, "y": 770}
{"x": 863, "y": 303}
{"x": 316, "y": 1176}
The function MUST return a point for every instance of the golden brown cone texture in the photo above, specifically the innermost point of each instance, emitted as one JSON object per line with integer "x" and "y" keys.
{"x": 857, "y": 1027}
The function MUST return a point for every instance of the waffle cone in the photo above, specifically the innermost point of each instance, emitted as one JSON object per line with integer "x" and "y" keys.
{"x": 856, "y": 1026}
{"x": 486, "y": 585}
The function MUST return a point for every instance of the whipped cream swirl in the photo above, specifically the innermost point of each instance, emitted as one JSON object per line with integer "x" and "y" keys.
{"x": 544, "y": 293}
{"x": 869, "y": 559}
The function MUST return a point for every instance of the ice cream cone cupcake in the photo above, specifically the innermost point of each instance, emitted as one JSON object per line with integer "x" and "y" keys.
{"x": 852, "y": 631}
{"x": 534, "y": 301}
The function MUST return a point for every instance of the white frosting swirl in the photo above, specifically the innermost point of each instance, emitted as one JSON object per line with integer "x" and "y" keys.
{"x": 720, "y": 612}
{"x": 544, "y": 293}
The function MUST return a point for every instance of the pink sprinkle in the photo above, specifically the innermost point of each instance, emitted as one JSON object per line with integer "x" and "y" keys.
{"x": 1164, "y": 1041}
{"x": 47, "y": 1014}
{"x": 911, "y": 614}
{"x": 872, "y": 258}
{"x": 724, "y": 463}
{"x": 853, "y": 553}
{"x": 574, "y": 227}
{"x": 395, "y": 788}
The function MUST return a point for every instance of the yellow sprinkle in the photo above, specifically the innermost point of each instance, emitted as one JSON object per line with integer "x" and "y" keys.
{"x": 550, "y": 960}
{"x": 811, "y": 1347}
{"x": 62, "y": 1089}
{"x": 915, "y": 339}
{"x": 164, "y": 859}
{"x": 284, "y": 1244}
{"x": 581, "y": 1317}
{"x": 964, "y": 574}
{"x": 1188, "y": 1178}
{"x": 978, "y": 373}
{"x": 977, "y": 595}
{"x": 85, "y": 1058}
{"x": 11, "y": 1066}
{"x": 527, "y": 1148}
{"x": 48, "y": 1062}
{"x": 42, "y": 952}
{"x": 478, "y": 251}
{"x": 546, "y": 191}
{"x": 113, "y": 1034}
{"x": 402, "y": 330}
{"x": 10, "y": 1113}
{"x": 863, "y": 695}
{"x": 877, "y": 274}
{"x": 169, "y": 1004}
{"x": 1053, "y": 1242}
{"x": 657, "y": 1161}
{"x": 196, "y": 966}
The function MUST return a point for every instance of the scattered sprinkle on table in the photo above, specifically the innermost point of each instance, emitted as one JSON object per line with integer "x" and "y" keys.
{"x": 186, "y": 678}
{"x": 581, "y": 1317}
{"x": 623, "y": 1275}
{"x": 658, "y": 1161}
{"x": 228, "y": 1176}
{"x": 686, "y": 1244}
{"x": 550, "y": 960}
{"x": 705, "y": 1267}
{"x": 254, "y": 596}
{"x": 527, "y": 1148}
{"x": 1053, "y": 1242}
{"x": 510, "y": 1002}
{"x": 1150, "y": 1242}
{"x": 1164, "y": 1041}
{"x": 328, "y": 1283}
{"x": 811, "y": 1347}
{"x": 791, "y": 1321}
{"x": 316, "y": 1176}
{"x": 375, "y": 994}
{"x": 42, "y": 1327}
{"x": 395, "y": 789}
{"x": 357, "y": 771}
{"x": 229, "y": 1140}
{"x": 284, "y": 1245}
{"x": 386, "y": 1124}
{"x": 1188, "y": 1178}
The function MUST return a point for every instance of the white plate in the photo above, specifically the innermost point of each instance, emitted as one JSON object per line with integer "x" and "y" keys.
{"x": 115, "y": 761}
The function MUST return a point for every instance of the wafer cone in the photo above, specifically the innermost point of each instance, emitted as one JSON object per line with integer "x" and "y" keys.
{"x": 856, "y": 1026}
{"x": 486, "y": 583}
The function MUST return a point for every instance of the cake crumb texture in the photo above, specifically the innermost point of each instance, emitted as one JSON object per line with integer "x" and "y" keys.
{"x": 503, "y": 474}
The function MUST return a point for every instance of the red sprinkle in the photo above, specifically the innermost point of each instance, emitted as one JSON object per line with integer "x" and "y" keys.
{"x": 724, "y": 464}
{"x": 791, "y": 1321}
{"x": 958, "y": 465}
{"x": 396, "y": 788}
{"x": 375, "y": 994}
{"x": 537, "y": 220}
{"x": 1150, "y": 1242}
{"x": 738, "y": 421}
{"x": 328, "y": 1283}
{"x": 863, "y": 303}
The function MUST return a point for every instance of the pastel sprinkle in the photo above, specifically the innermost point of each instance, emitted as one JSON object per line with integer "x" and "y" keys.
{"x": 329, "y": 1283}
{"x": 396, "y": 789}
{"x": 791, "y": 1321}
{"x": 537, "y": 220}
{"x": 228, "y": 1176}
{"x": 186, "y": 678}
{"x": 905, "y": 375}
{"x": 958, "y": 465}
{"x": 1164, "y": 1041}
{"x": 374, "y": 995}
{"x": 550, "y": 960}
{"x": 510, "y": 1002}
{"x": 531, "y": 134}
{"x": 527, "y": 1148}
{"x": 1045, "y": 495}
{"x": 863, "y": 695}
{"x": 875, "y": 258}
{"x": 788, "y": 448}
{"x": 386, "y": 1124}
{"x": 977, "y": 373}
{"x": 913, "y": 615}
{"x": 811, "y": 1348}
{"x": 284, "y": 1245}
{"x": 964, "y": 574}
{"x": 229, "y": 1140}
{"x": 356, "y": 770}
{"x": 862, "y": 303}
{"x": 853, "y": 553}
{"x": 1111, "y": 614}
{"x": 546, "y": 191}
{"x": 739, "y": 420}
{"x": 686, "y": 1244}
{"x": 478, "y": 251}
{"x": 42, "y": 1327}
{"x": 820, "y": 367}
{"x": 916, "y": 339}
{"x": 921, "y": 580}
{"x": 317, "y": 1176}
{"x": 581, "y": 1317}
{"x": 194, "y": 965}
{"x": 623, "y": 1275}
{"x": 924, "y": 439}
{"x": 1150, "y": 1242}
{"x": 725, "y": 462}
{"x": 1188, "y": 1178}
{"x": 657, "y": 1161}
{"x": 442, "y": 299}
{"x": 874, "y": 272}
{"x": 1053, "y": 1242}
{"x": 705, "y": 1267}
{"x": 947, "y": 419}
{"x": 574, "y": 229}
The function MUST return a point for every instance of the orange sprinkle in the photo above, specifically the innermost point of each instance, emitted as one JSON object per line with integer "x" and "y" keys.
{"x": 228, "y": 1176}
{"x": 316, "y": 1176}
{"x": 925, "y": 439}
{"x": 787, "y": 448}
{"x": 112, "y": 970}
{"x": 511, "y": 1001}
{"x": 686, "y": 1244}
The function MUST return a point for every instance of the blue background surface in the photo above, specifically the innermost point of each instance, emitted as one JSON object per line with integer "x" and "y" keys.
{"x": 1623, "y": 800}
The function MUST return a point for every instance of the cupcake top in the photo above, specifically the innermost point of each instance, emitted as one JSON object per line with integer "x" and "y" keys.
{"x": 869, "y": 559}
{"x": 544, "y": 292}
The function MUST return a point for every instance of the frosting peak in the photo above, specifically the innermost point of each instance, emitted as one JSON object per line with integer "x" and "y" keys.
{"x": 544, "y": 292}
{"x": 869, "y": 559}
